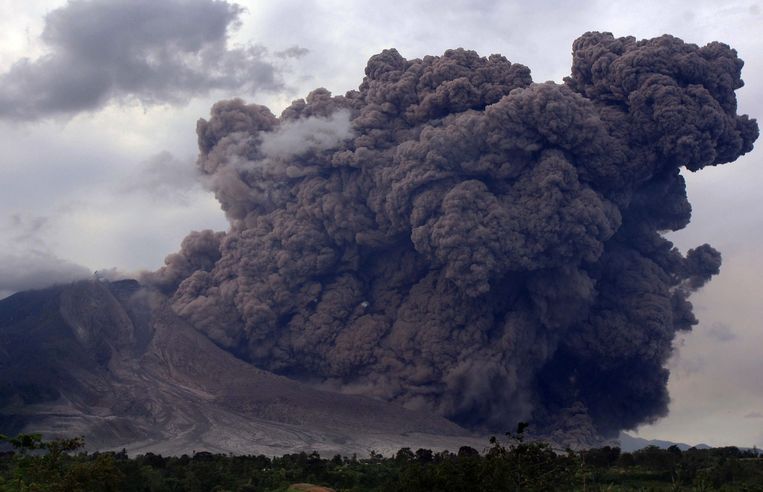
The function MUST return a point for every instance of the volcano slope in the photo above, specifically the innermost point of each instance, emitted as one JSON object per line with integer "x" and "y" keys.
{"x": 112, "y": 362}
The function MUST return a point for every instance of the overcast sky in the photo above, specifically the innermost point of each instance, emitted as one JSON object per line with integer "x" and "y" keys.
{"x": 99, "y": 101}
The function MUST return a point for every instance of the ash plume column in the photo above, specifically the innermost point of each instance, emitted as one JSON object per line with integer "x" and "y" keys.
{"x": 454, "y": 237}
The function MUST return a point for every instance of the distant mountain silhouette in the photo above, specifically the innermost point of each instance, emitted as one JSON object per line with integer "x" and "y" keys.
{"x": 629, "y": 443}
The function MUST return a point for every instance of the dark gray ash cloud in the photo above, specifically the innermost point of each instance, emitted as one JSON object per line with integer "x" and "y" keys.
{"x": 478, "y": 245}
{"x": 754, "y": 415}
{"x": 150, "y": 51}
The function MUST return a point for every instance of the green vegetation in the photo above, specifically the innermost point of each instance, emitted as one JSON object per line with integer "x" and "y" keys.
{"x": 512, "y": 465}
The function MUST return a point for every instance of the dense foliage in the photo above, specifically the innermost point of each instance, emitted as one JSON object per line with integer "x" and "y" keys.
{"x": 513, "y": 465}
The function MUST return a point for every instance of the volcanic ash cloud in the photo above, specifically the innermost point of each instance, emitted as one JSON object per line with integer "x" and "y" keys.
{"x": 454, "y": 237}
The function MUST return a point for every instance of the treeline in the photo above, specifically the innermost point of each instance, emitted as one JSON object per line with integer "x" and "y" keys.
{"x": 511, "y": 464}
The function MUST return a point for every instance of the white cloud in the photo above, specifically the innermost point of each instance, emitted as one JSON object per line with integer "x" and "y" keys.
{"x": 26, "y": 261}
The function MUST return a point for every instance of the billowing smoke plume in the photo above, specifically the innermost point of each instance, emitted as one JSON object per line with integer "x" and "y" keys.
{"x": 455, "y": 237}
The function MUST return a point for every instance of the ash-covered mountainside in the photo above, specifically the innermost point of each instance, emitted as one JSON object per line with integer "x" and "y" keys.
{"x": 455, "y": 237}
{"x": 114, "y": 363}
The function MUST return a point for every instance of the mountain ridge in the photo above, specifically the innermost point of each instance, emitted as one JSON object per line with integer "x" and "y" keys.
{"x": 113, "y": 362}
{"x": 629, "y": 443}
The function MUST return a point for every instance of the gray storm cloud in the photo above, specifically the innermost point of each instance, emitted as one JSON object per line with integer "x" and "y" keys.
{"x": 152, "y": 51}
{"x": 454, "y": 237}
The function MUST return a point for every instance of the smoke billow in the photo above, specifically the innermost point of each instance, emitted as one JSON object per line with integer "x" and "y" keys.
{"x": 455, "y": 237}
